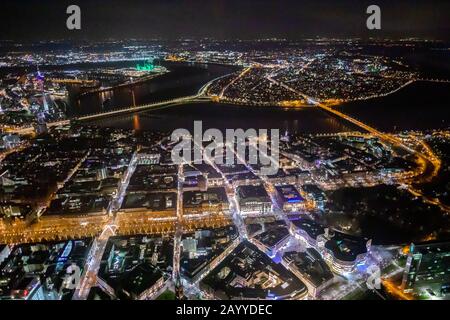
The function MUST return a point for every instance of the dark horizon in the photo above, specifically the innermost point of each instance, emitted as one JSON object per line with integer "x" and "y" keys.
{"x": 33, "y": 20}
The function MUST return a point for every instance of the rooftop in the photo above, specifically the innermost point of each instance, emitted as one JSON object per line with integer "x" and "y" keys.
{"x": 312, "y": 228}
{"x": 346, "y": 247}
{"x": 289, "y": 194}
{"x": 253, "y": 192}
{"x": 212, "y": 196}
{"x": 249, "y": 273}
{"x": 311, "y": 265}
{"x": 150, "y": 201}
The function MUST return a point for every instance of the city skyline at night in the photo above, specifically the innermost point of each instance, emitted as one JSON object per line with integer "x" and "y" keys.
{"x": 251, "y": 151}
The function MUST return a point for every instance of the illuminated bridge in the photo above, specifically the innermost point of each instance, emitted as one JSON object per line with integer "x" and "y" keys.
{"x": 105, "y": 114}
{"x": 156, "y": 105}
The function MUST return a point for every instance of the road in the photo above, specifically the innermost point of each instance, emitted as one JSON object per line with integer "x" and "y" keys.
{"x": 179, "y": 225}
{"x": 93, "y": 261}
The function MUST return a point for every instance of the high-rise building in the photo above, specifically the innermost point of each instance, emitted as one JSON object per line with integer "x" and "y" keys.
{"x": 189, "y": 245}
{"x": 428, "y": 266}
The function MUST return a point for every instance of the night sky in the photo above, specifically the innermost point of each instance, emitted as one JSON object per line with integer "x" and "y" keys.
{"x": 223, "y": 19}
